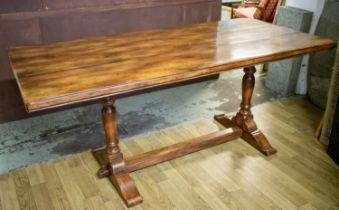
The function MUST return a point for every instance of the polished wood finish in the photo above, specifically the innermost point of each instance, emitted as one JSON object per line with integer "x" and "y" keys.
{"x": 229, "y": 176}
{"x": 244, "y": 118}
{"x": 113, "y": 164}
{"x": 76, "y": 71}
{"x": 64, "y": 20}
{"x": 83, "y": 70}
{"x": 154, "y": 157}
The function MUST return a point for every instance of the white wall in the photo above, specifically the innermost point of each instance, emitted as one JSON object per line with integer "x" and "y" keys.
{"x": 316, "y": 6}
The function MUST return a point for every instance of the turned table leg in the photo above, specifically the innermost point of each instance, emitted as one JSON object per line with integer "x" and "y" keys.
{"x": 113, "y": 164}
{"x": 244, "y": 118}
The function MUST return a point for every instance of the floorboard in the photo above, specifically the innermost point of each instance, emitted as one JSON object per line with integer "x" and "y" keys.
{"x": 229, "y": 176}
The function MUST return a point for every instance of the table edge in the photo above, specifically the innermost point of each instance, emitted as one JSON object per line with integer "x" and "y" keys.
{"x": 80, "y": 97}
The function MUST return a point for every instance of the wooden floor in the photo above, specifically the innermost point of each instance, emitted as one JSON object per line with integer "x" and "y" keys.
{"x": 229, "y": 176}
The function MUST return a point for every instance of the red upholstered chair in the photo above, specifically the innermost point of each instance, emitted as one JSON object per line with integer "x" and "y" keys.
{"x": 264, "y": 10}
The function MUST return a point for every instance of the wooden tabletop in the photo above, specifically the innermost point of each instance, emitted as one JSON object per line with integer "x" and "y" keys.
{"x": 75, "y": 71}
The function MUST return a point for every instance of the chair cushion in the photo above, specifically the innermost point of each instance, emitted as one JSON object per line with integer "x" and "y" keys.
{"x": 249, "y": 12}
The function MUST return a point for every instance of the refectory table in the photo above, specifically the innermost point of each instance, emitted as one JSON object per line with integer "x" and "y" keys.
{"x": 63, "y": 73}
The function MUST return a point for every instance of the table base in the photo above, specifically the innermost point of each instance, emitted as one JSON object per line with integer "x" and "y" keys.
{"x": 117, "y": 168}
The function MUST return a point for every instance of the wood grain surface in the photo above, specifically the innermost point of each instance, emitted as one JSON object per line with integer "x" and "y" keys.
{"x": 69, "y": 72}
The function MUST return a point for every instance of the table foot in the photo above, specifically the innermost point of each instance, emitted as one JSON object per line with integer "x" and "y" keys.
{"x": 127, "y": 189}
{"x": 258, "y": 140}
{"x": 103, "y": 173}
{"x": 99, "y": 155}
{"x": 122, "y": 181}
{"x": 250, "y": 133}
